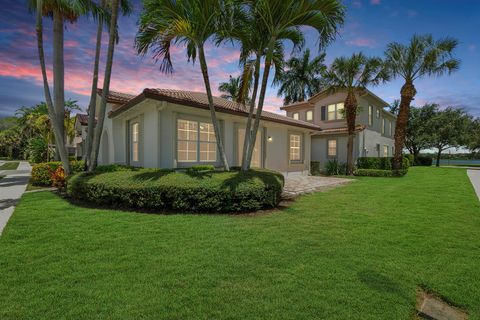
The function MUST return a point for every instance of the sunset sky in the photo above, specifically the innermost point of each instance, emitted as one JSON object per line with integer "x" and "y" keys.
{"x": 370, "y": 25}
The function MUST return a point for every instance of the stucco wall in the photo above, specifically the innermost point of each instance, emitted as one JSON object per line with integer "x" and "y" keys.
{"x": 158, "y": 126}
{"x": 319, "y": 148}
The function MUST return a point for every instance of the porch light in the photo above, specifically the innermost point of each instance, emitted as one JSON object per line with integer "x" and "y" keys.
{"x": 269, "y": 139}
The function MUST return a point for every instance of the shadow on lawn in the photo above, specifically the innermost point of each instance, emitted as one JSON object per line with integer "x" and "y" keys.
{"x": 381, "y": 283}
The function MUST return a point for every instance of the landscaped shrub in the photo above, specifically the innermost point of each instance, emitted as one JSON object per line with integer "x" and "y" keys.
{"x": 411, "y": 158}
{"x": 334, "y": 168}
{"x": 200, "y": 168}
{"x": 380, "y": 173}
{"x": 423, "y": 161}
{"x": 37, "y": 149}
{"x": 113, "y": 168}
{"x": 158, "y": 190}
{"x": 379, "y": 163}
{"x": 42, "y": 172}
{"x": 315, "y": 168}
{"x": 58, "y": 178}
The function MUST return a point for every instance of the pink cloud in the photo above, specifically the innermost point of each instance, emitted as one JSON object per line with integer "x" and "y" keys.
{"x": 362, "y": 42}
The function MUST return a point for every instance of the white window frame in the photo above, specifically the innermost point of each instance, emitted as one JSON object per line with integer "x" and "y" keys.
{"x": 135, "y": 136}
{"x": 337, "y": 115}
{"x": 385, "y": 150}
{"x": 383, "y": 125}
{"x": 198, "y": 141}
{"x": 295, "y": 148}
{"x": 329, "y": 154}
{"x": 295, "y": 116}
{"x": 309, "y": 112}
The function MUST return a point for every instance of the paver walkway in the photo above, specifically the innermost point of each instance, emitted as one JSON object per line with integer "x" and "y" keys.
{"x": 297, "y": 185}
{"x": 12, "y": 186}
{"x": 474, "y": 176}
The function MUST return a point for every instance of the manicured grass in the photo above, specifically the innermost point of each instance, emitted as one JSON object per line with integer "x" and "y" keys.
{"x": 355, "y": 252}
{"x": 9, "y": 165}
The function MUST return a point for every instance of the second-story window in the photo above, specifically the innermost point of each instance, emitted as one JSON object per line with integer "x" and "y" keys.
{"x": 335, "y": 111}
{"x": 384, "y": 123}
{"x": 295, "y": 115}
{"x": 390, "y": 128}
{"x": 309, "y": 115}
{"x": 378, "y": 113}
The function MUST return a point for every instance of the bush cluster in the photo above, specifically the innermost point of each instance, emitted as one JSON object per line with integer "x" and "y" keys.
{"x": 315, "y": 168}
{"x": 380, "y": 163}
{"x": 335, "y": 168}
{"x": 423, "y": 161}
{"x": 380, "y": 173}
{"x": 200, "y": 168}
{"x": 42, "y": 173}
{"x": 164, "y": 190}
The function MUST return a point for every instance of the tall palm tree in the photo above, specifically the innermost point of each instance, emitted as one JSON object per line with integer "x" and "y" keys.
{"x": 422, "y": 57}
{"x": 191, "y": 23}
{"x": 302, "y": 77}
{"x": 283, "y": 19}
{"x": 60, "y": 11}
{"x": 126, "y": 9}
{"x": 112, "y": 39}
{"x": 353, "y": 75}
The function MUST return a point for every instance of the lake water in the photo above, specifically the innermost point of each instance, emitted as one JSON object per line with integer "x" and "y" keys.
{"x": 446, "y": 162}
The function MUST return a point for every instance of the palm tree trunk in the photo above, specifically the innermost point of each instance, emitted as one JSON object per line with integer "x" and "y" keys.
{"x": 407, "y": 93}
{"x": 351, "y": 113}
{"x": 93, "y": 95}
{"x": 106, "y": 87}
{"x": 216, "y": 127}
{"x": 59, "y": 72}
{"x": 261, "y": 99}
{"x": 59, "y": 141}
{"x": 248, "y": 129}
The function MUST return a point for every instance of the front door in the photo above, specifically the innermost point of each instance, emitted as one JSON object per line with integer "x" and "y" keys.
{"x": 257, "y": 154}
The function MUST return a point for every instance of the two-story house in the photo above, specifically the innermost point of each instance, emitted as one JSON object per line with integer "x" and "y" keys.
{"x": 375, "y": 126}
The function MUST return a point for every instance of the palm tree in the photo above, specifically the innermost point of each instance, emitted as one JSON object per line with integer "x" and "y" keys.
{"x": 353, "y": 75}
{"x": 112, "y": 38}
{"x": 60, "y": 11}
{"x": 302, "y": 77}
{"x": 191, "y": 23}
{"x": 126, "y": 9}
{"x": 422, "y": 57}
{"x": 232, "y": 90}
{"x": 282, "y": 19}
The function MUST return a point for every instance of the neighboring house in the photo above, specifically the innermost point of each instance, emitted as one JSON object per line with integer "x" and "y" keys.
{"x": 161, "y": 128}
{"x": 81, "y": 125}
{"x": 375, "y": 126}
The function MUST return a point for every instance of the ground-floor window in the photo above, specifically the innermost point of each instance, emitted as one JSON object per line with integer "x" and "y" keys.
{"x": 385, "y": 151}
{"x": 256, "y": 161}
{"x": 135, "y": 141}
{"x": 332, "y": 148}
{"x": 196, "y": 141}
{"x": 295, "y": 147}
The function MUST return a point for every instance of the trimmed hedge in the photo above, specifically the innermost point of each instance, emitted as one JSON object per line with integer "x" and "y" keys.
{"x": 380, "y": 163}
{"x": 423, "y": 161}
{"x": 42, "y": 172}
{"x": 315, "y": 168}
{"x": 380, "y": 173}
{"x": 200, "y": 168}
{"x": 161, "y": 190}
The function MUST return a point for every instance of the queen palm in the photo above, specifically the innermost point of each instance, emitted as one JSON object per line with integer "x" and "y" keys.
{"x": 302, "y": 77}
{"x": 60, "y": 11}
{"x": 191, "y": 23}
{"x": 422, "y": 57}
{"x": 352, "y": 75}
{"x": 282, "y": 20}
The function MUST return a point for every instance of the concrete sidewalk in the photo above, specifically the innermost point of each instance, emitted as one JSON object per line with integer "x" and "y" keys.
{"x": 12, "y": 186}
{"x": 474, "y": 176}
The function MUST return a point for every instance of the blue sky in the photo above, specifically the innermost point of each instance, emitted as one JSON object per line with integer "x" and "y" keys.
{"x": 370, "y": 26}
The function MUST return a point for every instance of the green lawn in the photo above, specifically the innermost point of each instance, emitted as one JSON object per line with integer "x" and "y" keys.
{"x": 9, "y": 165}
{"x": 355, "y": 252}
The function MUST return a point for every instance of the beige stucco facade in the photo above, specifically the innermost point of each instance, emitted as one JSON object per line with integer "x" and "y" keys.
{"x": 157, "y": 138}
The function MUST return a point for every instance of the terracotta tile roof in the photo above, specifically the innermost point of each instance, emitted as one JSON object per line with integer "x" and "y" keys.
{"x": 199, "y": 100}
{"x": 297, "y": 104}
{"x": 83, "y": 118}
{"x": 341, "y": 130}
{"x": 117, "y": 97}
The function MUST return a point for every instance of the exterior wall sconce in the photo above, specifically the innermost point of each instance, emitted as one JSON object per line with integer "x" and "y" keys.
{"x": 269, "y": 139}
